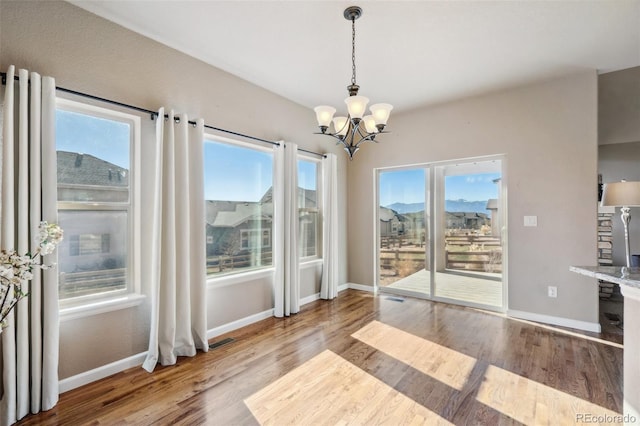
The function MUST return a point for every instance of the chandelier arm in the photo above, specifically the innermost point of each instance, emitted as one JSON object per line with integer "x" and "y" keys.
{"x": 364, "y": 136}
{"x": 335, "y": 136}
{"x": 369, "y": 138}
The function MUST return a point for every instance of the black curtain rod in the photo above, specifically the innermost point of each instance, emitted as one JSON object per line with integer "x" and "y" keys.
{"x": 154, "y": 114}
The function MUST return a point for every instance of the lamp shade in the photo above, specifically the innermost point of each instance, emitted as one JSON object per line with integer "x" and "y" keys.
{"x": 324, "y": 114}
{"x": 381, "y": 112}
{"x": 356, "y": 105}
{"x": 625, "y": 194}
{"x": 370, "y": 124}
{"x": 341, "y": 125}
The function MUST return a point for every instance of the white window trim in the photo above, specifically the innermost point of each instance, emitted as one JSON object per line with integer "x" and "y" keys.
{"x": 131, "y": 296}
{"x": 101, "y": 306}
{"x": 217, "y": 281}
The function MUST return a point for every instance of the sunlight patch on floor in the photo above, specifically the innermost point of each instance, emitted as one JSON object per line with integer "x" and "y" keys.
{"x": 530, "y": 402}
{"x": 447, "y": 366}
{"x": 328, "y": 390}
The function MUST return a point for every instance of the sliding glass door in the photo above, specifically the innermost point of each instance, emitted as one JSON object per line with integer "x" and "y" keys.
{"x": 440, "y": 232}
{"x": 403, "y": 229}
{"x": 469, "y": 248}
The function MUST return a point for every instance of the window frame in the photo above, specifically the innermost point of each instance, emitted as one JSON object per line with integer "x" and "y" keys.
{"x": 319, "y": 207}
{"x": 236, "y": 276}
{"x": 79, "y": 306}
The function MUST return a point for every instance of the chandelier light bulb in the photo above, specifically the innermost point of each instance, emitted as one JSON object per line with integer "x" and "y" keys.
{"x": 341, "y": 125}
{"x": 324, "y": 115}
{"x": 370, "y": 124}
{"x": 356, "y": 105}
{"x": 381, "y": 113}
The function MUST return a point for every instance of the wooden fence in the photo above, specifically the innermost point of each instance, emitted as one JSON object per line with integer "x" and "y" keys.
{"x": 478, "y": 253}
{"x": 73, "y": 284}
{"x": 224, "y": 263}
{"x": 462, "y": 252}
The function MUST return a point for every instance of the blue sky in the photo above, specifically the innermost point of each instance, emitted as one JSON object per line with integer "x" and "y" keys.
{"x": 231, "y": 172}
{"x": 408, "y": 186}
{"x": 105, "y": 139}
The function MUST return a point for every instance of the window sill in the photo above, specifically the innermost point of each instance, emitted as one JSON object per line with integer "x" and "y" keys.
{"x": 310, "y": 262}
{"x": 240, "y": 277}
{"x": 100, "y": 307}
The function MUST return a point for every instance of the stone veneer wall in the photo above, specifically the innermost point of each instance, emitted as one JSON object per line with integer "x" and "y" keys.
{"x": 605, "y": 245}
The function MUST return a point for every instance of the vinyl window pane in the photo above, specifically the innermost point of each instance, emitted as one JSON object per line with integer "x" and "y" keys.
{"x": 308, "y": 208}
{"x": 92, "y": 259}
{"x": 239, "y": 207}
{"x": 93, "y": 157}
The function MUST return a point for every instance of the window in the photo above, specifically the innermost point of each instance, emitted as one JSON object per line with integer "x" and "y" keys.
{"x": 253, "y": 238}
{"x": 239, "y": 206}
{"x": 86, "y": 244}
{"x": 308, "y": 203}
{"x": 95, "y": 152}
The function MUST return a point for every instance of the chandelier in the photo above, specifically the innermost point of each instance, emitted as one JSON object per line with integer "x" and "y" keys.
{"x": 356, "y": 128}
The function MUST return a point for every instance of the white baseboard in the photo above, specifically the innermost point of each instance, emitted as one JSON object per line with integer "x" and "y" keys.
{"x": 96, "y": 374}
{"x": 343, "y": 287}
{"x": 137, "y": 360}
{"x": 563, "y": 322}
{"x": 90, "y": 376}
{"x": 242, "y": 322}
{"x": 361, "y": 287}
{"x": 309, "y": 299}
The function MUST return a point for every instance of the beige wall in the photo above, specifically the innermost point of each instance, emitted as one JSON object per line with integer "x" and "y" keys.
{"x": 548, "y": 134}
{"x": 619, "y": 106}
{"x": 89, "y": 54}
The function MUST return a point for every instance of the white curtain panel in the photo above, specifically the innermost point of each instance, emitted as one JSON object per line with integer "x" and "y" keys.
{"x": 329, "y": 285}
{"x": 179, "y": 316}
{"x": 286, "y": 257}
{"x": 29, "y": 194}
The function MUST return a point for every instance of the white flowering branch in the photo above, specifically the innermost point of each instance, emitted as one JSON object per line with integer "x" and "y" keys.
{"x": 15, "y": 269}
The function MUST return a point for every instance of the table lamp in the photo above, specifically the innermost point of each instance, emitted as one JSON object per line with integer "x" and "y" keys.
{"x": 622, "y": 194}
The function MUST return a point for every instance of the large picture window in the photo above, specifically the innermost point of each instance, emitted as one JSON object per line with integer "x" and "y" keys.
{"x": 239, "y": 206}
{"x": 95, "y": 150}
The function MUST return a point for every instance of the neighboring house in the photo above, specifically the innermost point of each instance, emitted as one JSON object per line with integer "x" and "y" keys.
{"x": 492, "y": 206}
{"x": 96, "y": 244}
{"x": 467, "y": 220}
{"x": 392, "y": 224}
{"x": 237, "y": 227}
{"x": 244, "y": 228}
{"x": 83, "y": 177}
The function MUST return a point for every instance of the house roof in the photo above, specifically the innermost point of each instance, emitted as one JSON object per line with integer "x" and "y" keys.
{"x": 242, "y": 213}
{"x": 386, "y": 214}
{"x": 85, "y": 169}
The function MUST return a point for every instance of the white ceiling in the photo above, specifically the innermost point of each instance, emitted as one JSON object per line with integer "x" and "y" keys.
{"x": 408, "y": 53}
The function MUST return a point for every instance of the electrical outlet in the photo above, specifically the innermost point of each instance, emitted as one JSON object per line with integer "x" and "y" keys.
{"x": 552, "y": 291}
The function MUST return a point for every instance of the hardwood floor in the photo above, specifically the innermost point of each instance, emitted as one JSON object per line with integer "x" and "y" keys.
{"x": 364, "y": 359}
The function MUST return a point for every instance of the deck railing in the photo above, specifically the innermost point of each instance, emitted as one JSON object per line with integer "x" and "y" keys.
{"x": 478, "y": 253}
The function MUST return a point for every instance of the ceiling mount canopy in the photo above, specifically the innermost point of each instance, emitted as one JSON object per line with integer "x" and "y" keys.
{"x": 356, "y": 128}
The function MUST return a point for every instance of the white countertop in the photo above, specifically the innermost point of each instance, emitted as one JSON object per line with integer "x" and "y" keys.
{"x": 627, "y": 278}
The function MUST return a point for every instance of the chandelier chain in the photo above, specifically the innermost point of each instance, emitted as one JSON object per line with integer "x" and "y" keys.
{"x": 353, "y": 50}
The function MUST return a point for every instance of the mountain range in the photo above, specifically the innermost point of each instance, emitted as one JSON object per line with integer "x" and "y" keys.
{"x": 450, "y": 206}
